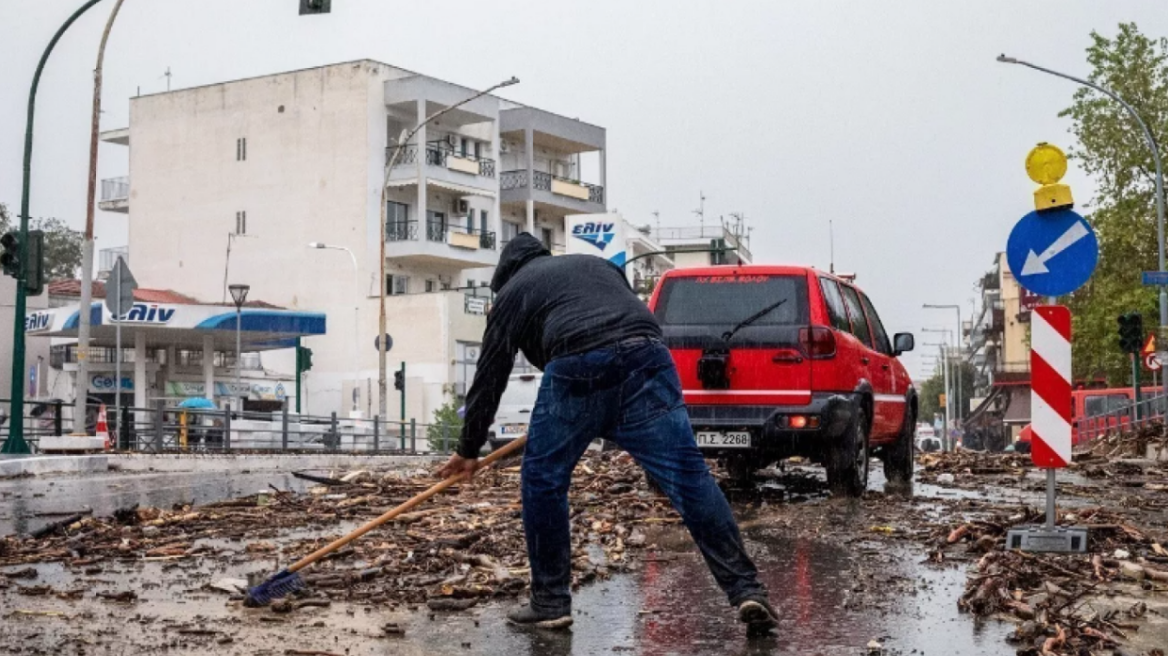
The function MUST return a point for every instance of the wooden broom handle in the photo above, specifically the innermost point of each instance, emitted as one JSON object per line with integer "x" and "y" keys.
{"x": 411, "y": 503}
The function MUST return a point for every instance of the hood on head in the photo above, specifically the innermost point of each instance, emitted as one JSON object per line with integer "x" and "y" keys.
{"x": 519, "y": 251}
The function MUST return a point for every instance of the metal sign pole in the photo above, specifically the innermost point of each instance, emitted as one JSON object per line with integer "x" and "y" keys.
{"x": 119, "y": 313}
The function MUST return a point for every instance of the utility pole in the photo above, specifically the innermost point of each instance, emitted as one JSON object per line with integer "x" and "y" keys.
{"x": 82, "y": 381}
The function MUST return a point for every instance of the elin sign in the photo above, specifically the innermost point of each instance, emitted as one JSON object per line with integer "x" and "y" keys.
{"x": 602, "y": 235}
{"x": 149, "y": 313}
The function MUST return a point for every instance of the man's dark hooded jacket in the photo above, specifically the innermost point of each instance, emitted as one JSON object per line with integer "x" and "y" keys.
{"x": 547, "y": 307}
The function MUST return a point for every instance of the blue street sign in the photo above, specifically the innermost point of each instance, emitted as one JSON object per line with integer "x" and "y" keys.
{"x": 1155, "y": 278}
{"x": 1052, "y": 253}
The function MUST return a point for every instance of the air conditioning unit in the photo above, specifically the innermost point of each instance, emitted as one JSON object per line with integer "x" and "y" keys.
{"x": 504, "y": 147}
{"x": 461, "y": 206}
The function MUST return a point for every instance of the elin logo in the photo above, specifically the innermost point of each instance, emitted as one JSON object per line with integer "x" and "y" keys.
{"x": 598, "y": 234}
{"x": 148, "y": 313}
{"x": 37, "y": 322}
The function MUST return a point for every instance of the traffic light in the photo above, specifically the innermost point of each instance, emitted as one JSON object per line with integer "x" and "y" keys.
{"x": 34, "y": 270}
{"x": 315, "y": 7}
{"x": 399, "y": 380}
{"x": 10, "y": 257}
{"x": 1131, "y": 332}
{"x": 303, "y": 358}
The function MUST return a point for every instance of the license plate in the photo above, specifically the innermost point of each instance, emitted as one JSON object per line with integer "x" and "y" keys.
{"x": 731, "y": 439}
{"x": 514, "y": 429}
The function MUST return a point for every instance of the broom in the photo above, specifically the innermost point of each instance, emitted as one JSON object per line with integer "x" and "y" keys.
{"x": 288, "y": 580}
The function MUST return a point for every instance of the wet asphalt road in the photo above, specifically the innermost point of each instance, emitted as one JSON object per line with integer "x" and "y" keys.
{"x": 829, "y": 596}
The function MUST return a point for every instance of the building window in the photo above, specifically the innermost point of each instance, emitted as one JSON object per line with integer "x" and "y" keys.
{"x": 547, "y": 237}
{"x": 483, "y": 222}
{"x": 510, "y": 231}
{"x": 241, "y": 223}
{"x": 463, "y": 146}
{"x": 397, "y": 217}
{"x": 430, "y": 286}
{"x": 470, "y": 284}
{"x": 478, "y": 150}
{"x": 241, "y": 149}
{"x": 398, "y": 284}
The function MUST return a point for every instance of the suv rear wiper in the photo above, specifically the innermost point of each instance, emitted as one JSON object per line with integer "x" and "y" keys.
{"x": 751, "y": 319}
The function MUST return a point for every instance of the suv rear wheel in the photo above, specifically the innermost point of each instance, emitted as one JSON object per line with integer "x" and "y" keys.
{"x": 898, "y": 459}
{"x": 847, "y": 464}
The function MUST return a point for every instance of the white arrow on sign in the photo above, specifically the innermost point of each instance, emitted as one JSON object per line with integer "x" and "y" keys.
{"x": 1036, "y": 263}
{"x": 1152, "y": 361}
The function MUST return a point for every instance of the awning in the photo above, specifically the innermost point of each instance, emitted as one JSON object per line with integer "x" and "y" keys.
{"x": 465, "y": 190}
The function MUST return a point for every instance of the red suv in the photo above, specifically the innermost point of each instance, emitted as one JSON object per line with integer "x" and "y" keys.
{"x": 779, "y": 361}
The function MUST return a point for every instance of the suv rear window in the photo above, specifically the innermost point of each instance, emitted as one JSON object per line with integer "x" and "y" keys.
{"x": 728, "y": 300}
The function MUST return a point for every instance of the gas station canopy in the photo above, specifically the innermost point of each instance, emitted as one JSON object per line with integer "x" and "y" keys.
{"x": 183, "y": 323}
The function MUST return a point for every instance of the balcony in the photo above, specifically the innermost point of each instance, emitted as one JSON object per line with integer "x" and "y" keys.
{"x": 439, "y": 243}
{"x": 443, "y": 158}
{"x": 115, "y": 195}
{"x": 548, "y": 189}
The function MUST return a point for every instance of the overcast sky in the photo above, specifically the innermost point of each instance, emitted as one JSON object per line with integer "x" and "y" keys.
{"x": 890, "y": 118}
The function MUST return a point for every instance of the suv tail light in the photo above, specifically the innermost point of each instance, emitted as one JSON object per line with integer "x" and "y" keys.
{"x": 818, "y": 341}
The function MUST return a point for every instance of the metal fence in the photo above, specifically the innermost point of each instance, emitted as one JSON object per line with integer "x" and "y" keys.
{"x": 168, "y": 429}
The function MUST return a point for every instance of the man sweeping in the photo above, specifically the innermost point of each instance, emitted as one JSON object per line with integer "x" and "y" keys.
{"x": 606, "y": 374}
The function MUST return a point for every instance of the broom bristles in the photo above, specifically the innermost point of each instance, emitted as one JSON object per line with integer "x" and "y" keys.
{"x": 282, "y": 584}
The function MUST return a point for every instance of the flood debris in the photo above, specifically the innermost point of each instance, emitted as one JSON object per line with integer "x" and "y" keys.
{"x": 463, "y": 548}
{"x": 1062, "y": 604}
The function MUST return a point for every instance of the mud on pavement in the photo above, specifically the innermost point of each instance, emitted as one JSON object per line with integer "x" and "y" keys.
{"x": 882, "y": 575}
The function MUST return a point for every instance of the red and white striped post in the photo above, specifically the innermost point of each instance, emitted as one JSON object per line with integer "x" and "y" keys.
{"x": 1050, "y": 395}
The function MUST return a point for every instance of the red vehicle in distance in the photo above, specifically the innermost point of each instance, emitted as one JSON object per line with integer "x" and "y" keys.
{"x": 1094, "y": 412}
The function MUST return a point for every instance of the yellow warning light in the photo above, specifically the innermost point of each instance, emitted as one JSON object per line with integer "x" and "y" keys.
{"x": 1046, "y": 164}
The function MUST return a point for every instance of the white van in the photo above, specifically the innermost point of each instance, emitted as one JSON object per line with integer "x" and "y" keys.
{"x": 514, "y": 409}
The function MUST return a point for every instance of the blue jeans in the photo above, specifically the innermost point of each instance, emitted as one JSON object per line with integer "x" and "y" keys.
{"x": 628, "y": 393}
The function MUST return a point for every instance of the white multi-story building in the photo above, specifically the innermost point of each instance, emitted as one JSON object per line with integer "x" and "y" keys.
{"x": 229, "y": 183}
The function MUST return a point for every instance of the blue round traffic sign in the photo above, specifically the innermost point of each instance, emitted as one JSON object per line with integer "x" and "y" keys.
{"x": 1052, "y": 253}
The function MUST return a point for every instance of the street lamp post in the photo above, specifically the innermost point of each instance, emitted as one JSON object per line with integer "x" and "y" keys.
{"x": 403, "y": 139}
{"x": 356, "y": 310}
{"x": 239, "y": 295}
{"x": 16, "y": 444}
{"x": 1159, "y": 184}
{"x": 960, "y": 347}
{"x": 946, "y": 373}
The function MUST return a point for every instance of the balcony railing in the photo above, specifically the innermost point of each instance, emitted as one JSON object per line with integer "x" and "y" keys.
{"x": 437, "y": 231}
{"x": 396, "y": 230}
{"x": 541, "y": 181}
{"x": 439, "y": 156}
{"x": 115, "y": 189}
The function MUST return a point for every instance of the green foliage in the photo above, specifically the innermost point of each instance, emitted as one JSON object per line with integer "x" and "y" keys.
{"x": 62, "y": 248}
{"x": 931, "y": 390}
{"x": 1112, "y": 149}
{"x": 446, "y": 428}
{"x": 62, "y": 244}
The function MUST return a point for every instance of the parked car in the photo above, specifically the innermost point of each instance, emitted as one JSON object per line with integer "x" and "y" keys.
{"x": 779, "y": 361}
{"x": 515, "y": 408}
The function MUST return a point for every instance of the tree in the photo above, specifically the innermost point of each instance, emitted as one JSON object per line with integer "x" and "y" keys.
{"x": 1111, "y": 148}
{"x": 63, "y": 247}
{"x": 444, "y": 431}
{"x": 62, "y": 244}
{"x": 931, "y": 390}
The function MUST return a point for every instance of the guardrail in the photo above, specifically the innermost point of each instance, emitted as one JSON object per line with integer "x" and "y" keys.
{"x": 169, "y": 429}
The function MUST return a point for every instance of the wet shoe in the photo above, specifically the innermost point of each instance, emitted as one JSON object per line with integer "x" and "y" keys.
{"x": 757, "y": 614}
{"x": 528, "y": 616}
